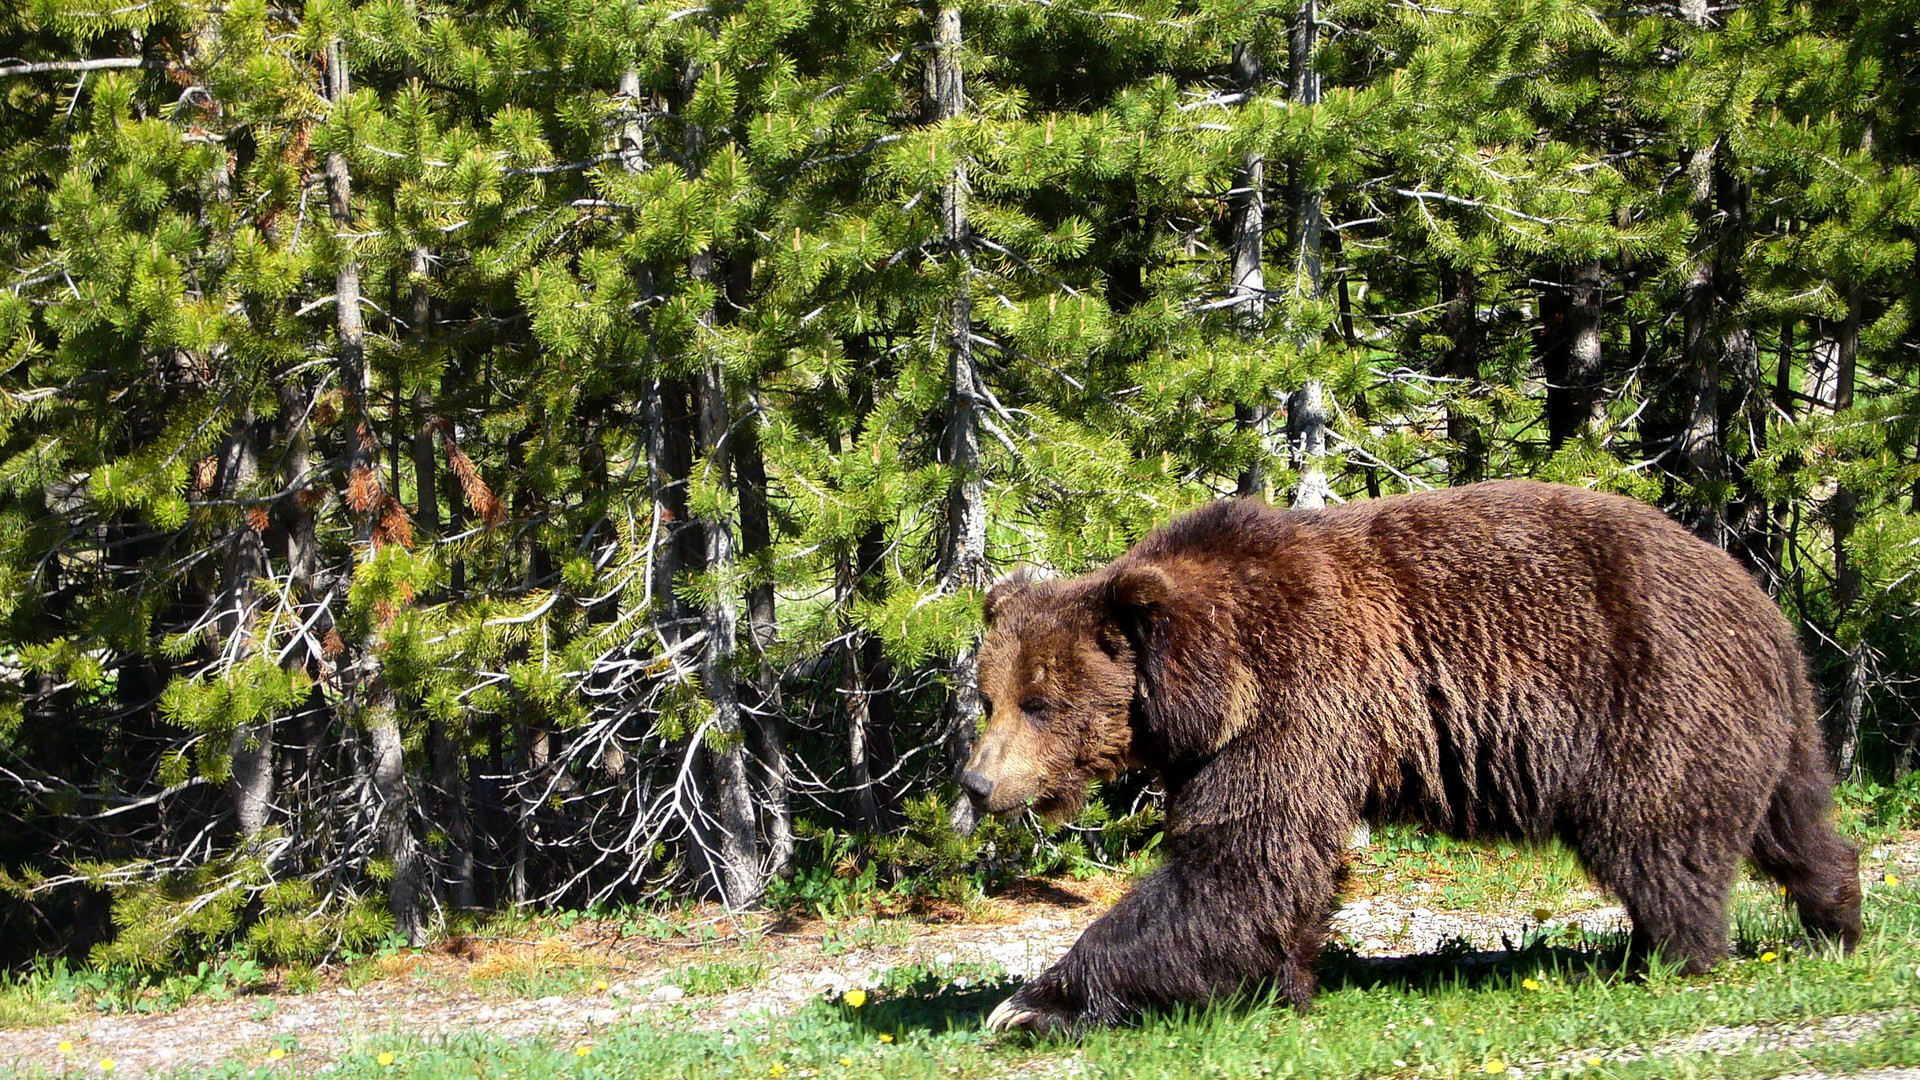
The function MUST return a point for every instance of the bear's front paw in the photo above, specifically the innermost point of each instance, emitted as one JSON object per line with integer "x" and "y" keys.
{"x": 1030, "y": 1011}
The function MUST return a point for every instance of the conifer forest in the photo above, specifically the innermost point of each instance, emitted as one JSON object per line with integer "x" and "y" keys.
{"x": 458, "y": 454}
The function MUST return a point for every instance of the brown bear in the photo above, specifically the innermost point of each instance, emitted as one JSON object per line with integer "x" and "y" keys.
{"x": 1503, "y": 661}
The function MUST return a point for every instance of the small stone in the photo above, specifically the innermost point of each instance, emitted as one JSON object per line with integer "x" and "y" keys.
{"x": 1373, "y": 943}
{"x": 551, "y": 1002}
{"x": 943, "y": 959}
{"x": 666, "y": 992}
{"x": 344, "y": 992}
{"x": 603, "y": 1016}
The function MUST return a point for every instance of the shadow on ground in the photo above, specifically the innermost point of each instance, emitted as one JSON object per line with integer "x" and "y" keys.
{"x": 1459, "y": 964}
{"x": 933, "y": 1005}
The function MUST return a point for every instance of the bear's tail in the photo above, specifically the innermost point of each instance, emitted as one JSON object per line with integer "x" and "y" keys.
{"x": 1797, "y": 846}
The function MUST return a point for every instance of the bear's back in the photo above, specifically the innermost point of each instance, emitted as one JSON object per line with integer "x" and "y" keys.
{"x": 1500, "y": 614}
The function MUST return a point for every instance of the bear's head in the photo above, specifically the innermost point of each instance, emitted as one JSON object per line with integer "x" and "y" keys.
{"x": 1058, "y": 674}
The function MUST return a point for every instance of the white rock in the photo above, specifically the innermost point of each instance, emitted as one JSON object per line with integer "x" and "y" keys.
{"x": 944, "y": 958}
{"x": 344, "y": 992}
{"x": 666, "y": 992}
{"x": 603, "y": 1016}
{"x": 553, "y": 1001}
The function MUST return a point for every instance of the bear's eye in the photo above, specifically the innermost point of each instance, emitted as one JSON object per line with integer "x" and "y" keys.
{"x": 1034, "y": 705}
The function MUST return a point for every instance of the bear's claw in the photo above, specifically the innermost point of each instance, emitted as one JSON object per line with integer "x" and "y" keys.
{"x": 1008, "y": 1016}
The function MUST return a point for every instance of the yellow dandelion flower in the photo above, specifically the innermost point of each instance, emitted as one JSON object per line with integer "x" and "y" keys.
{"x": 1529, "y": 984}
{"x": 385, "y": 1059}
{"x": 1495, "y": 1066}
{"x": 1891, "y": 880}
{"x": 854, "y": 998}
{"x": 106, "y": 1065}
{"x": 1593, "y": 1063}
{"x": 886, "y": 1036}
{"x": 582, "y": 1051}
{"x": 1541, "y": 914}
{"x": 845, "y": 1061}
{"x": 276, "y": 1053}
{"x": 776, "y": 1070}
{"x": 1479, "y": 1031}
{"x": 1769, "y": 957}
{"x": 66, "y": 1047}
{"x": 601, "y": 986}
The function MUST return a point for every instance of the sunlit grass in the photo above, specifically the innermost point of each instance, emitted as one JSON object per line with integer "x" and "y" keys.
{"x": 1543, "y": 1009}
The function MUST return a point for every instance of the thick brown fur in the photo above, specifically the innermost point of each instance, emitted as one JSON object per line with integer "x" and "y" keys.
{"x": 1508, "y": 660}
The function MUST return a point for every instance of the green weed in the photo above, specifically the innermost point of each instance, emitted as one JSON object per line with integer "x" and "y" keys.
{"x": 872, "y": 933}
{"x": 718, "y": 977}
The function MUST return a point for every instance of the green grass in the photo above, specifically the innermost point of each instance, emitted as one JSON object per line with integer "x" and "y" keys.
{"x": 867, "y": 934}
{"x": 33, "y": 1001}
{"x": 1471, "y": 877}
{"x": 53, "y": 991}
{"x": 1541, "y": 1008}
{"x": 717, "y": 977}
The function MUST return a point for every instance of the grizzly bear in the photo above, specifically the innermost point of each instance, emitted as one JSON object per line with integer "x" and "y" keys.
{"x": 1503, "y": 661}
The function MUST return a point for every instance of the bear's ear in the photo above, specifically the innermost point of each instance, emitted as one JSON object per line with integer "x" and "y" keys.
{"x": 1137, "y": 599}
{"x": 1012, "y": 584}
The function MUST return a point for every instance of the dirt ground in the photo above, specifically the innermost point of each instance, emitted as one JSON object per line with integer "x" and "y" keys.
{"x": 458, "y": 986}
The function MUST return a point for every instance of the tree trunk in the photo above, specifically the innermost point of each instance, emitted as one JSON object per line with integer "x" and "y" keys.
{"x": 1570, "y": 352}
{"x": 870, "y": 713}
{"x": 766, "y": 717}
{"x": 963, "y": 554}
{"x": 360, "y": 684}
{"x": 1745, "y": 407}
{"x": 739, "y": 880}
{"x": 1697, "y": 437}
{"x": 1717, "y": 349}
{"x": 1700, "y": 448}
{"x": 449, "y": 779}
{"x": 1307, "y": 432}
{"x": 1306, "y": 224}
{"x": 1460, "y": 297}
{"x": 1783, "y": 403}
{"x": 1306, "y": 407}
{"x": 1362, "y": 403}
{"x": 731, "y": 845}
{"x": 1247, "y": 206}
{"x": 1844, "y": 512}
{"x": 251, "y": 747}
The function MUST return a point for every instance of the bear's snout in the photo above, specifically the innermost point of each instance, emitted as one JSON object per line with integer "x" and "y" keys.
{"x": 977, "y": 785}
{"x": 1000, "y": 777}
